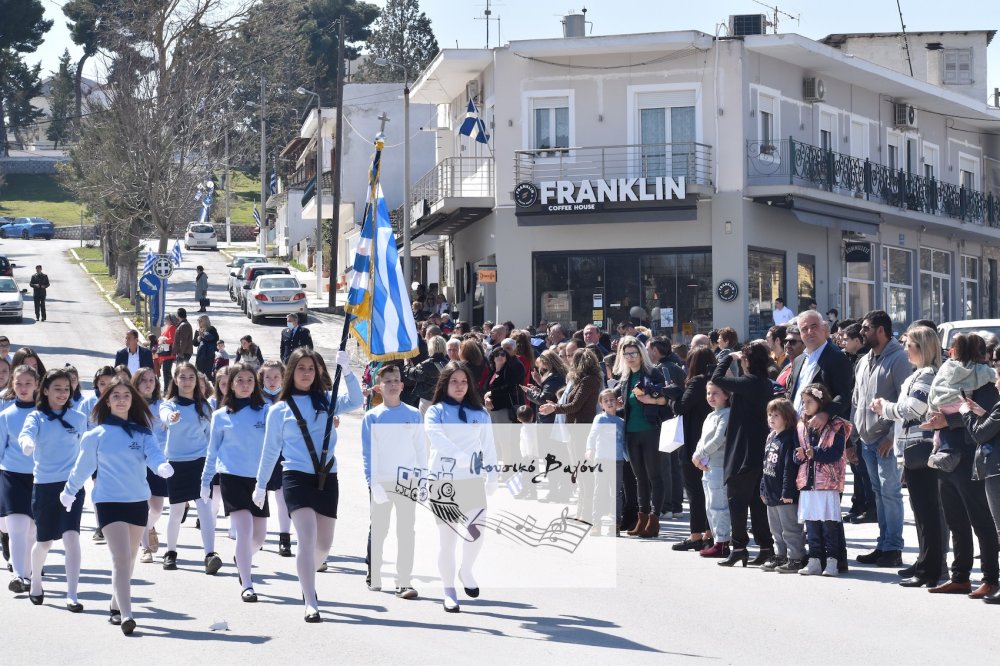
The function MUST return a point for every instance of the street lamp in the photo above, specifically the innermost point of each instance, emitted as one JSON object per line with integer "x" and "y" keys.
{"x": 407, "y": 260}
{"x": 319, "y": 190}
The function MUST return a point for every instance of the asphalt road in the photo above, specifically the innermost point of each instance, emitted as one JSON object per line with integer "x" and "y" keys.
{"x": 667, "y": 607}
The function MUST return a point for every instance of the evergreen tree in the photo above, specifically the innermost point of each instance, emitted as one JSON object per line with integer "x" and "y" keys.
{"x": 21, "y": 31}
{"x": 61, "y": 94}
{"x": 402, "y": 35}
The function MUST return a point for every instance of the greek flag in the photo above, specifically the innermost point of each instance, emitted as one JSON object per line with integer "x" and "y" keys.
{"x": 175, "y": 253}
{"x": 381, "y": 318}
{"x": 274, "y": 183}
{"x": 514, "y": 485}
{"x": 256, "y": 215}
{"x": 474, "y": 127}
{"x": 148, "y": 264}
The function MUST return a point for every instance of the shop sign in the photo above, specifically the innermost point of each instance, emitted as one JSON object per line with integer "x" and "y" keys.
{"x": 857, "y": 253}
{"x": 593, "y": 195}
{"x": 486, "y": 274}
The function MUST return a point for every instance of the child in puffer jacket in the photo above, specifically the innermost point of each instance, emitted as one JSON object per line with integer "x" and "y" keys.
{"x": 820, "y": 480}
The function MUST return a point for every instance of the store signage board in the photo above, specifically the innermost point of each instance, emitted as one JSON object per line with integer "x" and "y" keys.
{"x": 857, "y": 253}
{"x": 595, "y": 195}
{"x": 486, "y": 275}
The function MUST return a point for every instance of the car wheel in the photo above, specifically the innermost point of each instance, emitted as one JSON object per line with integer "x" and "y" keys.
{"x": 3, "y": 234}
{"x": 256, "y": 319}
{"x": 24, "y": 235}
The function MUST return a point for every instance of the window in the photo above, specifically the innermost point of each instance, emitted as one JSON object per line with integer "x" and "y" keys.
{"x": 935, "y": 284}
{"x": 667, "y": 133}
{"x": 806, "y": 274}
{"x": 859, "y": 290}
{"x": 957, "y": 67}
{"x": 931, "y": 156}
{"x": 767, "y": 112}
{"x": 968, "y": 171}
{"x": 550, "y": 123}
{"x": 827, "y": 130}
{"x": 765, "y": 282}
{"x": 859, "y": 139}
{"x": 897, "y": 285}
{"x": 894, "y": 150}
{"x": 970, "y": 286}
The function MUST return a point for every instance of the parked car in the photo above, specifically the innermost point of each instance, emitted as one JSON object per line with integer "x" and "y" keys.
{"x": 5, "y": 220}
{"x": 236, "y": 264}
{"x": 948, "y": 330}
{"x": 11, "y": 299}
{"x": 275, "y": 296}
{"x": 250, "y": 273}
{"x": 29, "y": 227}
{"x": 200, "y": 235}
{"x": 6, "y": 267}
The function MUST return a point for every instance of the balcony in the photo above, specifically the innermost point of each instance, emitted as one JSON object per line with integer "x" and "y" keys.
{"x": 793, "y": 162}
{"x": 692, "y": 161}
{"x": 455, "y": 193}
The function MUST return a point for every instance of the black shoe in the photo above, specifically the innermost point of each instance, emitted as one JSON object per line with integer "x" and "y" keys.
{"x": 471, "y": 592}
{"x": 285, "y": 544}
{"x": 842, "y": 567}
{"x": 212, "y": 564}
{"x": 689, "y": 544}
{"x": 116, "y": 617}
{"x": 38, "y": 600}
{"x": 890, "y": 558}
{"x": 908, "y": 572}
{"x": 870, "y": 558}
{"x": 918, "y": 581}
{"x": 98, "y": 536}
{"x": 18, "y": 585}
{"x": 313, "y": 618}
{"x": 249, "y": 596}
{"x": 773, "y": 563}
{"x": 74, "y": 606}
{"x": 738, "y": 555}
{"x": 128, "y": 626}
{"x": 170, "y": 560}
{"x": 866, "y": 517}
{"x": 763, "y": 557}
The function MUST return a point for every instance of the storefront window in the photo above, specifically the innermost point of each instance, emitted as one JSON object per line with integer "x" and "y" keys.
{"x": 970, "y": 286}
{"x": 806, "y": 281}
{"x": 935, "y": 285}
{"x": 859, "y": 290}
{"x": 765, "y": 281}
{"x": 897, "y": 286}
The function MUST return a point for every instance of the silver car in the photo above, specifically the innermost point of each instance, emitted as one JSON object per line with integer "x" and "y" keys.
{"x": 238, "y": 262}
{"x": 11, "y": 299}
{"x": 275, "y": 296}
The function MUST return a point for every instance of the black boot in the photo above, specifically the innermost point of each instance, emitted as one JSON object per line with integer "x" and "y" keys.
{"x": 285, "y": 544}
{"x": 762, "y": 558}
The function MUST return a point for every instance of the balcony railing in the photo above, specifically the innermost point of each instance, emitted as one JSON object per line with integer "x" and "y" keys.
{"x": 691, "y": 160}
{"x": 796, "y": 163}
{"x": 456, "y": 177}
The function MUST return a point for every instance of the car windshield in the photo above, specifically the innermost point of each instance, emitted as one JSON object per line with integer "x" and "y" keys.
{"x": 946, "y": 344}
{"x": 278, "y": 283}
{"x": 202, "y": 228}
{"x": 7, "y": 285}
{"x": 239, "y": 261}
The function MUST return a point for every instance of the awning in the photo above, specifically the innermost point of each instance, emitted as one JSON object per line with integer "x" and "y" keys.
{"x": 831, "y": 216}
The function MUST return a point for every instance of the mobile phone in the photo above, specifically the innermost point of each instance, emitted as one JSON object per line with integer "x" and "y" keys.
{"x": 962, "y": 391}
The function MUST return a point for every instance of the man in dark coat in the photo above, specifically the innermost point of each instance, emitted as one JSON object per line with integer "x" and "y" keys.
{"x": 39, "y": 286}
{"x": 133, "y": 355}
{"x": 294, "y": 336}
{"x": 183, "y": 346}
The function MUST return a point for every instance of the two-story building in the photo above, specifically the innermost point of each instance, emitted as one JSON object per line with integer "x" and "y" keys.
{"x": 691, "y": 180}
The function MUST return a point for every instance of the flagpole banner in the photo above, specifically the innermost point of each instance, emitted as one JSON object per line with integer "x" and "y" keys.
{"x": 378, "y": 303}
{"x": 473, "y": 126}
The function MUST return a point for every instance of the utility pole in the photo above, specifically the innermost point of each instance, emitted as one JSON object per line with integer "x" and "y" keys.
{"x": 229, "y": 221}
{"x": 262, "y": 235}
{"x": 335, "y": 171}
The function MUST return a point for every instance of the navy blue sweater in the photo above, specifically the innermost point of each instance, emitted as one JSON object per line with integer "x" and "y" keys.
{"x": 780, "y": 468}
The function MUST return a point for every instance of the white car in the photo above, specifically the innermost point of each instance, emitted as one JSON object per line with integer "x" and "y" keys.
{"x": 201, "y": 235}
{"x": 11, "y": 299}
{"x": 948, "y": 330}
{"x": 275, "y": 296}
{"x": 238, "y": 262}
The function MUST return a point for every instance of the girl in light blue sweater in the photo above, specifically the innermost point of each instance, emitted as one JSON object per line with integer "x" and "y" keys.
{"x": 709, "y": 456}
{"x": 147, "y": 384}
{"x": 119, "y": 448}
{"x": 270, "y": 376}
{"x": 51, "y": 435}
{"x": 17, "y": 481}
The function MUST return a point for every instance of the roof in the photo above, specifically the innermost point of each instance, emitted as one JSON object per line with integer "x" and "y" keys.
{"x": 838, "y": 38}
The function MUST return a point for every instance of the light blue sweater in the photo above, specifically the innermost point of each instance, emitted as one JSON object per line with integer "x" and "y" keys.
{"x": 187, "y": 439}
{"x": 408, "y": 450}
{"x": 56, "y": 448}
{"x": 282, "y": 435}
{"x": 120, "y": 460}
{"x": 600, "y": 446}
{"x": 456, "y": 446}
{"x": 235, "y": 443}
{"x": 86, "y": 406}
{"x": 12, "y": 458}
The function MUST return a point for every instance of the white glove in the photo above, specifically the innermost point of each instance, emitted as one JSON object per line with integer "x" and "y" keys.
{"x": 378, "y": 494}
{"x": 259, "y": 496}
{"x": 165, "y": 471}
{"x": 28, "y": 447}
{"x": 206, "y": 493}
{"x": 344, "y": 360}
{"x": 491, "y": 487}
{"x": 67, "y": 500}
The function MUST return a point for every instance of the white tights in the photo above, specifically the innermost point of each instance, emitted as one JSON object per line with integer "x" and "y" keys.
{"x": 155, "y": 511}
{"x": 315, "y": 536}
{"x": 206, "y": 515}
{"x": 123, "y": 541}
{"x": 250, "y": 535}
{"x": 447, "y": 540}
{"x": 21, "y": 529}
{"x": 71, "y": 546}
{"x": 284, "y": 520}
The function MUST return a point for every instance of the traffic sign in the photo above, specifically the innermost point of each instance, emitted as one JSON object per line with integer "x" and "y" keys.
{"x": 150, "y": 284}
{"x": 163, "y": 267}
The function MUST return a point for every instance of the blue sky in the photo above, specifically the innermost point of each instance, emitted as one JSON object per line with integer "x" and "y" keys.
{"x": 460, "y": 22}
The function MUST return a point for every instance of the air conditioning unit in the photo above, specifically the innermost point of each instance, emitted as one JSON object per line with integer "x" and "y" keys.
{"x": 813, "y": 89}
{"x": 904, "y": 115}
{"x": 741, "y": 25}
{"x": 472, "y": 90}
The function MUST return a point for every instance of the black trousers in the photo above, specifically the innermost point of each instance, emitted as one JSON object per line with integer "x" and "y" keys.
{"x": 698, "y": 519}
{"x": 863, "y": 497}
{"x": 743, "y": 492}
{"x": 925, "y": 501}
{"x": 824, "y": 539}
{"x": 643, "y": 453}
{"x": 39, "y": 300}
{"x": 966, "y": 510}
{"x": 673, "y": 482}
{"x": 630, "y": 507}
{"x": 167, "y": 368}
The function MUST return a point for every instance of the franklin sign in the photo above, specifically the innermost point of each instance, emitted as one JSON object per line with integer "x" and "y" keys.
{"x": 564, "y": 196}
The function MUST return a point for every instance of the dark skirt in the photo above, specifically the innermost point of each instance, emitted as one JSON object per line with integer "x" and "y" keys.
{"x": 274, "y": 483}
{"x": 301, "y": 492}
{"x": 15, "y": 493}
{"x": 133, "y": 513}
{"x": 185, "y": 484}
{"x": 237, "y": 495}
{"x": 157, "y": 484}
{"x": 51, "y": 517}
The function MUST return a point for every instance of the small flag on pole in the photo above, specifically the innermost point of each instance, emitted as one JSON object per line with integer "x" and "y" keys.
{"x": 473, "y": 126}
{"x": 274, "y": 183}
{"x": 175, "y": 253}
{"x": 256, "y": 215}
{"x": 514, "y": 485}
{"x": 148, "y": 264}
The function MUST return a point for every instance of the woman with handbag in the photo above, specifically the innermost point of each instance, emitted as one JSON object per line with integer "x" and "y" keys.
{"x": 923, "y": 350}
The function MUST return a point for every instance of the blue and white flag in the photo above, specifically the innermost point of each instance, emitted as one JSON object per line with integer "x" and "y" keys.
{"x": 378, "y": 302}
{"x": 473, "y": 126}
{"x": 148, "y": 264}
{"x": 203, "y": 215}
{"x": 256, "y": 215}
{"x": 175, "y": 253}
{"x": 514, "y": 485}
{"x": 274, "y": 183}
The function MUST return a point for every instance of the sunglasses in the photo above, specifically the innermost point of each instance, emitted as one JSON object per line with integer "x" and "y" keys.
{"x": 630, "y": 354}
{"x": 793, "y": 342}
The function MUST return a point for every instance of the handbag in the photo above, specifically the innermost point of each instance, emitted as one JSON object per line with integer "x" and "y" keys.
{"x": 672, "y": 434}
{"x": 916, "y": 453}
{"x": 205, "y": 302}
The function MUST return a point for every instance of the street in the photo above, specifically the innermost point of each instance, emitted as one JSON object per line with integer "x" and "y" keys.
{"x": 668, "y": 607}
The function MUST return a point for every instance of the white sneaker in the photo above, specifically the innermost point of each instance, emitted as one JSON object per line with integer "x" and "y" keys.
{"x": 147, "y": 556}
{"x": 813, "y": 567}
{"x": 831, "y": 568}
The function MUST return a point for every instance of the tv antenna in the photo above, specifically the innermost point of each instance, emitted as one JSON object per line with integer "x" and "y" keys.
{"x": 776, "y": 13}
{"x": 488, "y": 16}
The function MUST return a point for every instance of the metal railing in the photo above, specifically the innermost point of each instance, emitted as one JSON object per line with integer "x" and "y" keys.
{"x": 796, "y": 163}
{"x": 691, "y": 160}
{"x": 456, "y": 177}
